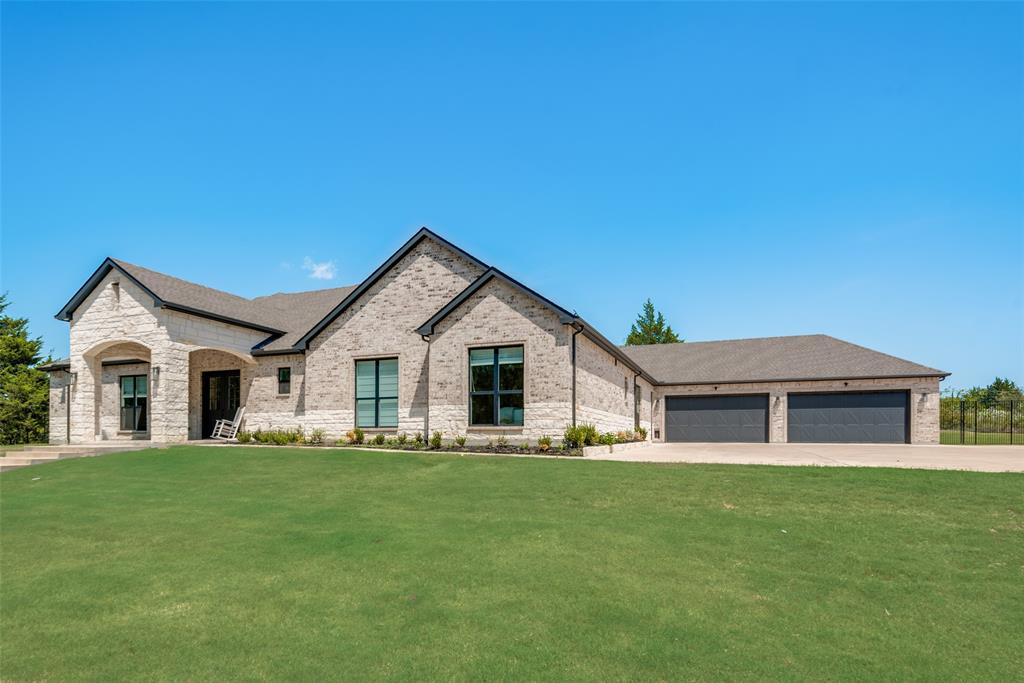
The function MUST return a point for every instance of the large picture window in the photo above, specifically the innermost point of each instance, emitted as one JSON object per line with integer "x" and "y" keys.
{"x": 134, "y": 403}
{"x": 496, "y": 386}
{"x": 377, "y": 393}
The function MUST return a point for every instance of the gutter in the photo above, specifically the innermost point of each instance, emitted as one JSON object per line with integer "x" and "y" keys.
{"x": 799, "y": 379}
{"x": 577, "y": 328}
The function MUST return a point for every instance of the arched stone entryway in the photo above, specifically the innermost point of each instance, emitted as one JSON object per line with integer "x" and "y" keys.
{"x": 114, "y": 387}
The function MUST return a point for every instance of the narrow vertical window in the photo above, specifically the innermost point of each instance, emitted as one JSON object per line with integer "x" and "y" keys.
{"x": 496, "y": 386}
{"x": 134, "y": 400}
{"x": 377, "y": 393}
{"x": 116, "y": 288}
{"x": 284, "y": 380}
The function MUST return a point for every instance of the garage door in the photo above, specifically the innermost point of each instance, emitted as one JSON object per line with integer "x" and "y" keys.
{"x": 879, "y": 417}
{"x": 716, "y": 418}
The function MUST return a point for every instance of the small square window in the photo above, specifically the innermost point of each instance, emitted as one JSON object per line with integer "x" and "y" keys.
{"x": 284, "y": 380}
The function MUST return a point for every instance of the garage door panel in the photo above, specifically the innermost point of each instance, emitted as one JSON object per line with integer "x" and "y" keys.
{"x": 716, "y": 418}
{"x": 852, "y": 417}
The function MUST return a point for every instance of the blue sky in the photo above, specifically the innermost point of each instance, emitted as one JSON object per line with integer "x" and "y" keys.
{"x": 755, "y": 169}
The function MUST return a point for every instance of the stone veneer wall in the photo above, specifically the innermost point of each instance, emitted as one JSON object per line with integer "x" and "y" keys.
{"x": 924, "y": 414}
{"x": 111, "y": 316}
{"x": 59, "y": 393}
{"x": 499, "y": 315}
{"x": 382, "y": 324}
{"x": 110, "y": 397}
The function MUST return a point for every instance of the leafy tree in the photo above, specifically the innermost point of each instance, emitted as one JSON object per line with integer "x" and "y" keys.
{"x": 650, "y": 328}
{"x": 1001, "y": 389}
{"x": 24, "y": 390}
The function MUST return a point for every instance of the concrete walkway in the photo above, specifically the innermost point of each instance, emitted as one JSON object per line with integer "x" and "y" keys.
{"x": 15, "y": 457}
{"x": 976, "y": 458}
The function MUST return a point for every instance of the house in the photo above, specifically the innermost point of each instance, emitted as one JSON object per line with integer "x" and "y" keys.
{"x": 435, "y": 339}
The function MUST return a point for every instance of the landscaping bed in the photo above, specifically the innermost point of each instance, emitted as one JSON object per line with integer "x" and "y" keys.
{"x": 575, "y": 441}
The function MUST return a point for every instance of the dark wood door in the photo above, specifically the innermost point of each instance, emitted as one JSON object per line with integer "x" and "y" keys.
{"x": 221, "y": 395}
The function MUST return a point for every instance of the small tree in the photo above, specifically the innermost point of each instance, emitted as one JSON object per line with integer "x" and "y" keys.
{"x": 24, "y": 390}
{"x": 650, "y": 328}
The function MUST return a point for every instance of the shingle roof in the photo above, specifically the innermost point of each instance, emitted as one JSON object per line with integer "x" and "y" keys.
{"x": 290, "y": 313}
{"x": 806, "y": 357}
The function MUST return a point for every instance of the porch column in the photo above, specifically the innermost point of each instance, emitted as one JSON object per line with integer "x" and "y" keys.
{"x": 84, "y": 397}
{"x": 168, "y": 402}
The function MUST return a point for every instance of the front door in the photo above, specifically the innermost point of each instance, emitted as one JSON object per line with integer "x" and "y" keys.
{"x": 221, "y": 397}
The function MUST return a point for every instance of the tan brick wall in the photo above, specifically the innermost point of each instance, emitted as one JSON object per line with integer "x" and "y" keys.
{"x": 605, "y": 392}
{"x": 265, "y": 408}
{"x": 499, "y": 315}
{"x": 382, "y": 323}
{"x": 924, "y": 414}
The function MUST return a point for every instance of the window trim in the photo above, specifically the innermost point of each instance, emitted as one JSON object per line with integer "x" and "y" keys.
{"x": 496, "y": 392}
{"x": 135, "y": 407}
{"x": 288, "y": 382}
{"x": 376, "y": 398}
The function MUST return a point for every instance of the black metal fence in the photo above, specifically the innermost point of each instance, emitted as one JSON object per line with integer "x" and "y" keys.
{"x": 972, "y": 422}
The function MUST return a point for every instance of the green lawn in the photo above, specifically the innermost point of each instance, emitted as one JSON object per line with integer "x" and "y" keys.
{"x": 952, "y": 436}
{"x": 225, "y": 564}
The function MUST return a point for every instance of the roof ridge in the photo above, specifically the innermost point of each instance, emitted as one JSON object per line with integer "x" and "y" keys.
{"x": 720, "y": 341}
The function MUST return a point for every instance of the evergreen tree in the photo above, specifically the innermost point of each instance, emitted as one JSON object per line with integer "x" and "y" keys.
{"x": 650, "y": 328}
{"x": 24, "y": 390}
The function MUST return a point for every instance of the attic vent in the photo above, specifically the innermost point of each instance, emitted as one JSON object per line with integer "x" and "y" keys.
{"x": 116, "y": 287}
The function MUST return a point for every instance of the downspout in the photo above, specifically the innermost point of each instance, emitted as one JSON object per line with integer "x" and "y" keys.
{"x": 577, "y": 328}
{"x": 67, "y": 409}
{"x": 426, "y": 411}
{"x": 637, "y": 404}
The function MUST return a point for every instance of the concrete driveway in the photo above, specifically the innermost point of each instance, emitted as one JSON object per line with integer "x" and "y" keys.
{"x": 977, "y": 458}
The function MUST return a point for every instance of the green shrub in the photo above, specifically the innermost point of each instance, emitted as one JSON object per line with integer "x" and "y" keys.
{"x": 580, "y": 435}
{"x": 402, "y": 438}
{"x": 244, "y": 437}
{"x": 607, "y": 439}
{"x": 417, "y": 438}
{"x": 435, "y": 440}
{"x": 379, "y": 439}
{"x": 502, "y": 440}
{"x": 460, "y": 440}
{"x": 280, "y": 437}
{"x": 642, "y": 433}
{"x": 524, "y": 446}
{"x": 355, "y": 435}
{"x": 544, "y": 443}
{"x": 316, "y": 437}
{"x": 391, "y": 441}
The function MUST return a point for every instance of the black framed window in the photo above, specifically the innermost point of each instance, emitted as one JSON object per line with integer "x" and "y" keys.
{"x": 377, "y": 392}
{"x": 496, "y": 386}
{"x": 134, "y": 402}
{"x": 284, "y": 380}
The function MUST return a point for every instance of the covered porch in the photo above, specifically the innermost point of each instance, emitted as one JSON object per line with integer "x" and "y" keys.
{"x": 127, "y": 391}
